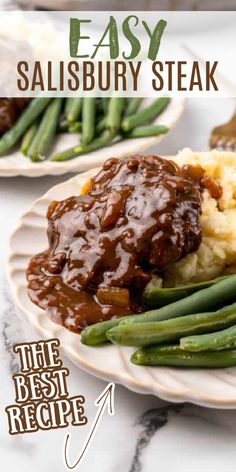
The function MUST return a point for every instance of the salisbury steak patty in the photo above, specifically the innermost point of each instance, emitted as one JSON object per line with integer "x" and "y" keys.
{"x": 138, "y": 214}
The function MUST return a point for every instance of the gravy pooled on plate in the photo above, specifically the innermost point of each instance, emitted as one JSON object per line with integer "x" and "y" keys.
{"x": 137, "y": 215}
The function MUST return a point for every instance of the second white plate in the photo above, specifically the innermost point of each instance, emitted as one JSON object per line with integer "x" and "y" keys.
{"x": 16, "y": 164}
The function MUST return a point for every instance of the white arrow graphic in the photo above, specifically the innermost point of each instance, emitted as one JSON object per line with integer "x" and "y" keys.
{"x": 105, "y": 399}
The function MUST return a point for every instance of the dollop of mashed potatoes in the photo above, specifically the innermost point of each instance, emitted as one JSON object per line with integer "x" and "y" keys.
{"x": 217, "y": 250}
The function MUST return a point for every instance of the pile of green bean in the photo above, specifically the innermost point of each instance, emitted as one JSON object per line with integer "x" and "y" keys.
{"x": 190, "y": 330}
{"x": 99, "y": 122}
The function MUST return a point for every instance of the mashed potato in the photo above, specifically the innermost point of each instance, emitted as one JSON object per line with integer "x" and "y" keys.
{"x": 218, "y": 220}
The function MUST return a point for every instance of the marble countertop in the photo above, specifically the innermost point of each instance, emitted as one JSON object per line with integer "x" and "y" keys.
{"x": 146, "y": 433}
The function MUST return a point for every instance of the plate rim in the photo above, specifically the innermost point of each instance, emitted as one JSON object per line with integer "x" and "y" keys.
{"x": 65, "y": 336}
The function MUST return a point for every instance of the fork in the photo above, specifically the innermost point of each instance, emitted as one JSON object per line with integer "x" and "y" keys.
{"x": 224, "y": 136}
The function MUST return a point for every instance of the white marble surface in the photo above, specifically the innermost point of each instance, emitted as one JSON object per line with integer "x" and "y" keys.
{"x": 146, "y": 434}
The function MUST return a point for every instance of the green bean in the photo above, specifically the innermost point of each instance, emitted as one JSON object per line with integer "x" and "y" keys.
{"x": 175, "y": 356}
{"x": 96, "y": 334}
{"x": 195, "y": 303}
{"x": 66, "y": 155}
{"x": 114, "y": 114}
{"x": 101, "y": 124}
{"x": 28, "y": 138}
{"x": 46, "y": 131}
{"x": 99, "y": 107}
{"x": 146, "y": 114}
{"x": 34, "y": 109}
{"x": 73, "y": 109}
{"x": 133, "y": 106}
{"x": 68, "y": 104}
{"x": 103, "y": 141}
{"x": 157, "y": 332}
{"x": 88, "y": 119}
{"x": 75, "y": 127}
{"x": 225, "y": 339}
{"x": 143, "y": 131}
{"x": 155, "y": 297}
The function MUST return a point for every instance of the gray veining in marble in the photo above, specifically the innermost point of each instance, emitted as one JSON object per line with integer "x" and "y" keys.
{"x": 8, "y": 320}
{"x": 150, "y": 421}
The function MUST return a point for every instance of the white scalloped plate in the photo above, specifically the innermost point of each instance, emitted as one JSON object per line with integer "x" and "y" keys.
{"x": 212, "y": 388}
{"x": 16, "y": 164}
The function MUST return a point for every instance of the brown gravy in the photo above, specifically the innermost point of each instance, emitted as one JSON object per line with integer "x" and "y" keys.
{"x": 138, "y": 214}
